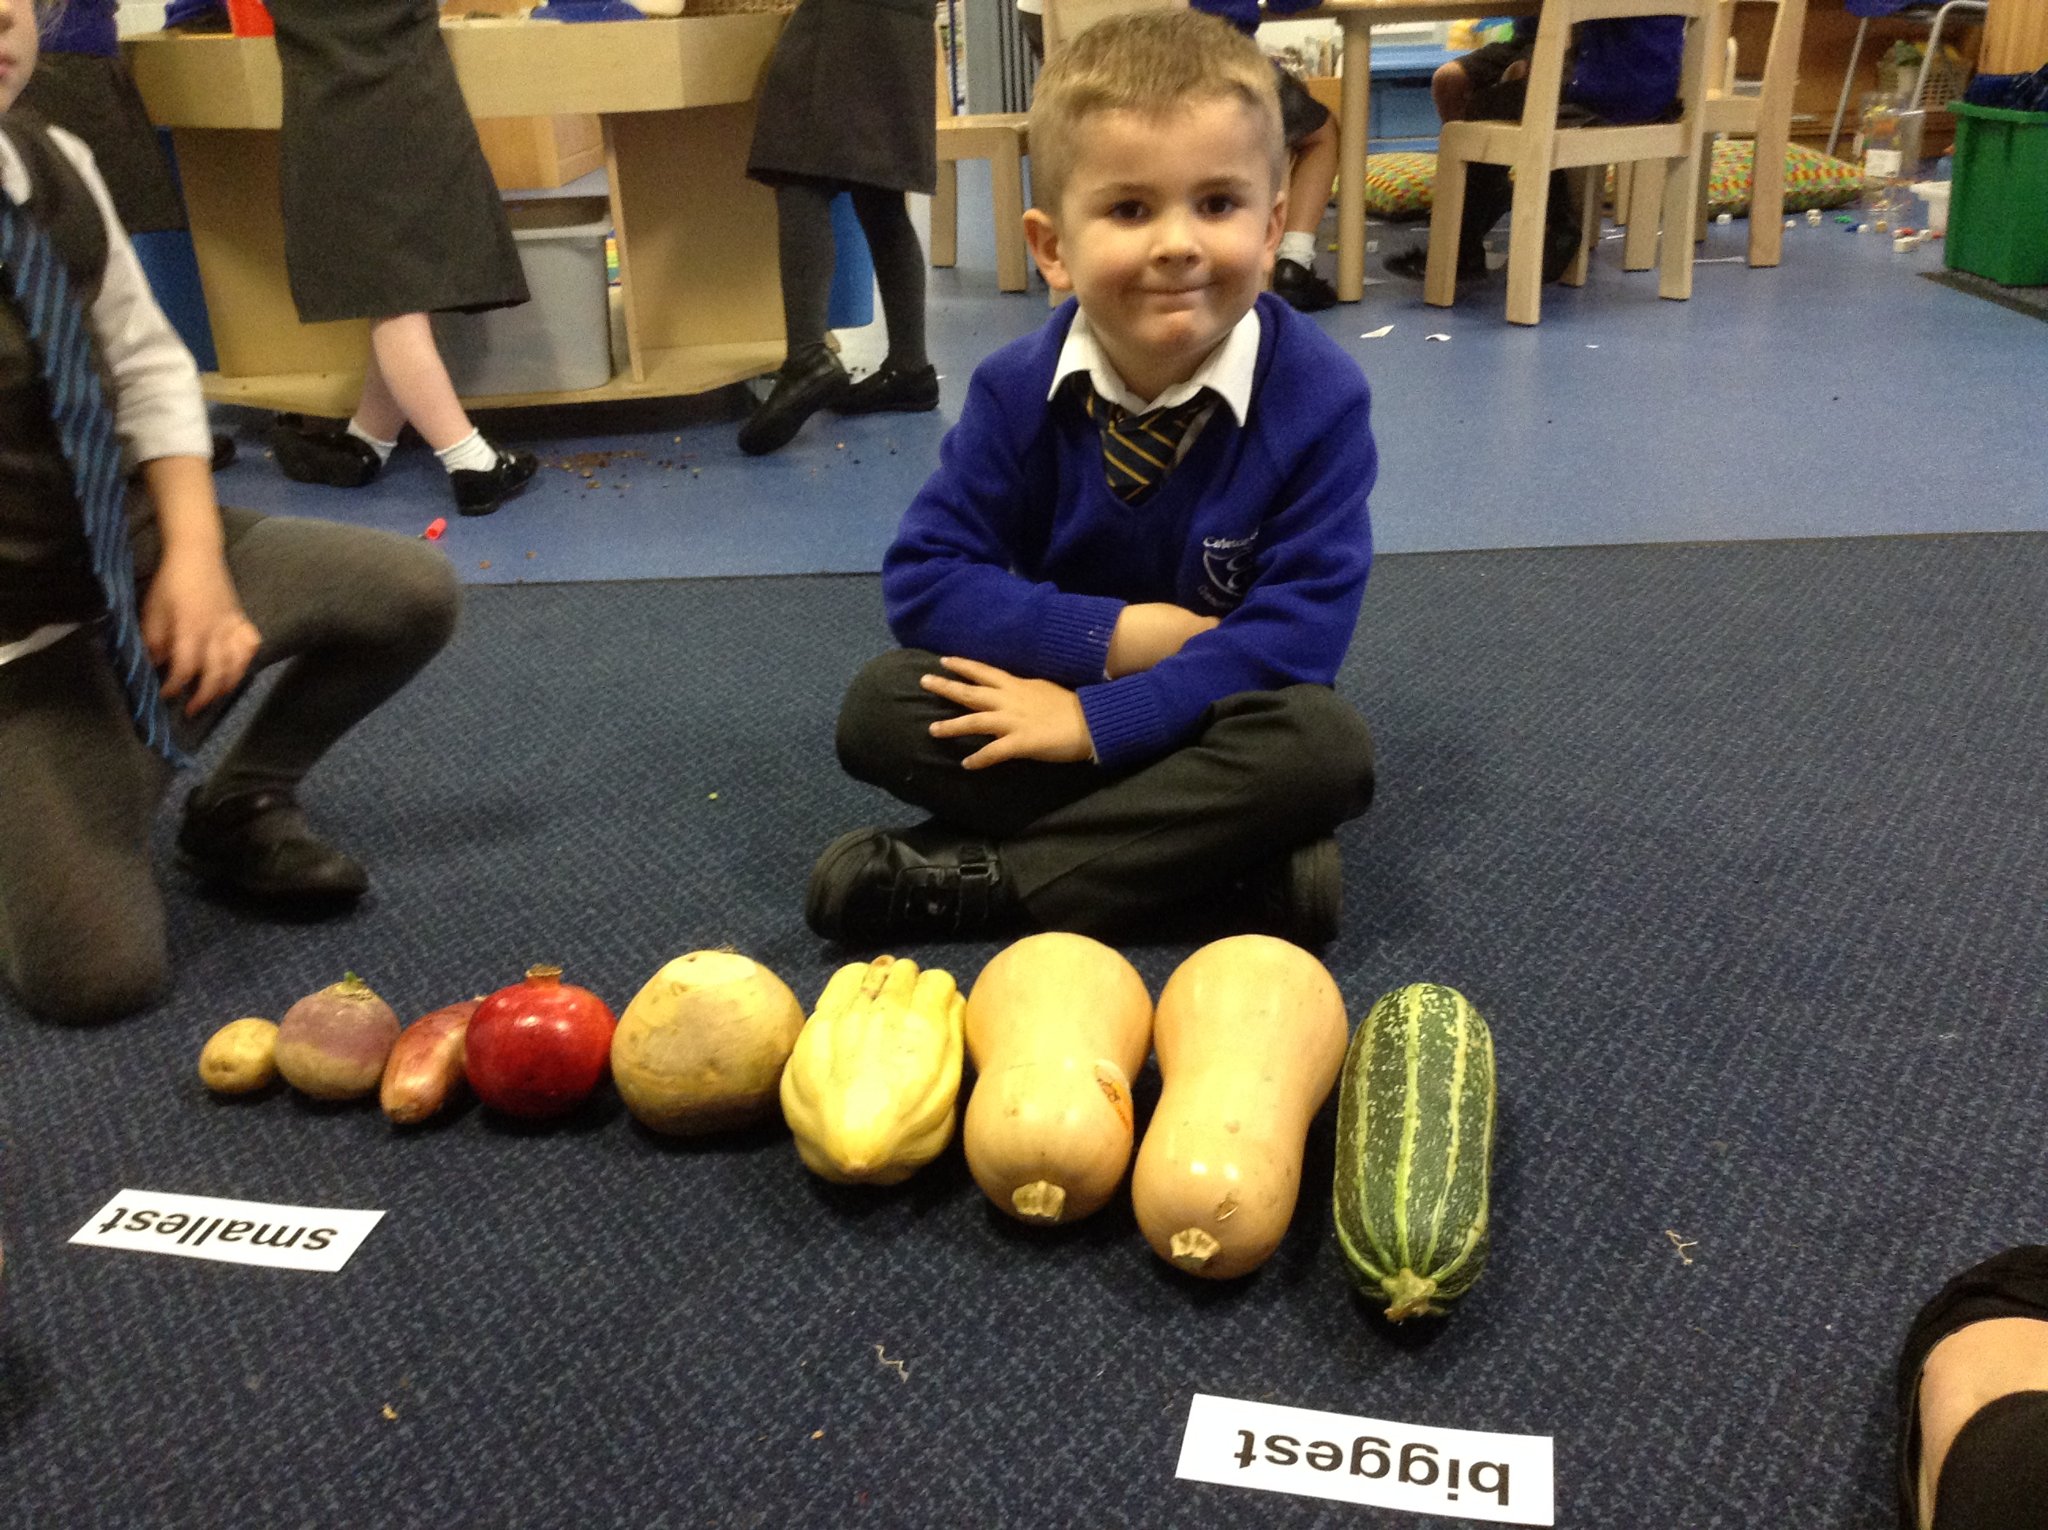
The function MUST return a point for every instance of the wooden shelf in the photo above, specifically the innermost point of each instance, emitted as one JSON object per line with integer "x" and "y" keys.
{"x": 683, "y": 369}
{"x": 699, "y": 303}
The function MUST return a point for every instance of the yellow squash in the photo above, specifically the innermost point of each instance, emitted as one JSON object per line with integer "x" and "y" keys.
{"x": 870, "y": 1087}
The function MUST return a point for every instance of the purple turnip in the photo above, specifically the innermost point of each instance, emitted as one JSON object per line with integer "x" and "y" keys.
{"x": 332, "y": 1044}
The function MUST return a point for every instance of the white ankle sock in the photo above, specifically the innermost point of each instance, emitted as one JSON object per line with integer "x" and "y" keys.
{"x": 383, "y": 449}
{"x": 1299, "y": 247}
{"x": 472, "y": 454}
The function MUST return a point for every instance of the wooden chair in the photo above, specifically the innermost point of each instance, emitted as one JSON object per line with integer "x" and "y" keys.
{"x": 1536, "y": 145}
{"x": 999, "y": 138}
{"x": 1765, "y": 116}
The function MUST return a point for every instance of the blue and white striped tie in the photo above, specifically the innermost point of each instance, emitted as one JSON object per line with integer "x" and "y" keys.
{"x": 41, "y": 288}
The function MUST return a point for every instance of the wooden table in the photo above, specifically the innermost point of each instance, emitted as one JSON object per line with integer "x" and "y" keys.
{"x": 1357, "y": 18}
{"x": 698, "y": 282}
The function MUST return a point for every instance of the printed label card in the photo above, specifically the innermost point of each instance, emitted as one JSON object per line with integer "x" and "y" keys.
{"x": 1460, "y": 1473}
{"x": 235, "y": 1232}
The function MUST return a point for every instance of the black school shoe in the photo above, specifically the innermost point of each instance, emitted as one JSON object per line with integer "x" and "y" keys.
{"x": 1298, "y": 896}
{"x": 1414, "y": 263}
{"x": 872, "y": 886}
{"x": 1304, "y": 291}
{"x": 480, "y": 491}
{"x": 260, "y": 845}
{"x": 893, "y": 390}
{"x": 306, "y": 454}
{"x": 801, "y": 390}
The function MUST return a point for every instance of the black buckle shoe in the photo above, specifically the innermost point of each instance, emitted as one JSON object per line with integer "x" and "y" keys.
{"x": 479, "y": 491}
{"x": 887, "y": 389}
{"x": 333, "y": 457}
{"x": 261, "y": 845}
{"x": 871, "y": 885}
{"x": 1413, "y": 263}
{"x": 799, "y": 392}
{"x": 1561, "y": 239}
{"x": 1299, "y": 896}
{"x": 1304, "y": 291}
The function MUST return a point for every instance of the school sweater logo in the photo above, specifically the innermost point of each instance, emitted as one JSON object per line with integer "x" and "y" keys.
{"x": 1227, "y": 565}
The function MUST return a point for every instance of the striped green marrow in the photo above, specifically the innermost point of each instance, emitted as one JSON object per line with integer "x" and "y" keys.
{"x": 1415, "y": 1149}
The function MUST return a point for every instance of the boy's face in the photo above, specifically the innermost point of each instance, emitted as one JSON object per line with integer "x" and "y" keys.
{"x": 18, "y": 44}
{"x": 1166, "y": 231}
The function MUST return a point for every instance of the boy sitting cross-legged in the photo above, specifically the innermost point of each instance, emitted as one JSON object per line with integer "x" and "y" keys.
{"x": 1126, "y": 590}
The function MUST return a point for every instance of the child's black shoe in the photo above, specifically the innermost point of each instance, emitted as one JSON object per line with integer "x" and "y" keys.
{"x": 890, "y": 390}
{"x": 1299, "y": 896}
{"x": 480, "y": 491}
{"x": 872, "y": 886}
{"x": 1303, "y": 290}
{"x": 801, "y": 390}
{"x": 1413, "y": 263}
{"x": 333, "y": 457}
{"x": 261, "y": 845}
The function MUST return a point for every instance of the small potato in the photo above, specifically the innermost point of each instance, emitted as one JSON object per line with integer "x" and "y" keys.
{"x": 425, "y": 1067}
{"x": 240, "y": 1057}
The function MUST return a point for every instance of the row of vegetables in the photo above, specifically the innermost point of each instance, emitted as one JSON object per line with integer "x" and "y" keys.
{"x": 1250, "y": 1033}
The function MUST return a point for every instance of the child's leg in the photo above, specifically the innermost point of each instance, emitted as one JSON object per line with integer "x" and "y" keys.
{"x": 407, "y": 382}
{"x": 1311, "y": 134}
{"x": 1080, "y": 849}
{"x": 1273, "y": 770}
{"x": 884, "y": 739}
{"x": 906, "y": 381}
{"x": 81, "y": 921}
{"x": 352, "y": 614}
{"x": 811, "y": 376}
{"x": 808, "y": 252}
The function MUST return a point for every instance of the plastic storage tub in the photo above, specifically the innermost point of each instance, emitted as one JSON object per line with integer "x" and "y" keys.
{"x": 1998, "y": 211}
{"x": 560, "y": 342}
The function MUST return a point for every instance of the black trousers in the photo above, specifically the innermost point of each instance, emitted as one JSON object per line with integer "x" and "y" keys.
{"x": 1098, "y": 851}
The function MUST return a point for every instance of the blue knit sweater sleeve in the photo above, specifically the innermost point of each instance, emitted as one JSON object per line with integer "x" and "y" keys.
{"x": 1312, "y": 451}
{"x": 949, "y": 580}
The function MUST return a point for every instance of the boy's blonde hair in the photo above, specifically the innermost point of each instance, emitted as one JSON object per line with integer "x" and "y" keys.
{"x": 1152, "y": 63}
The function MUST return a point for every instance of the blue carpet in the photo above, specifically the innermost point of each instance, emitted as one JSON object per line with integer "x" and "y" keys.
{"x": 1741, "y": 848}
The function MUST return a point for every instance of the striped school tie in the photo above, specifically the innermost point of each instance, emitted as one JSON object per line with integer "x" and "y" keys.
{"x": 41, "y": 288}
{"x": 1139, "y": 449}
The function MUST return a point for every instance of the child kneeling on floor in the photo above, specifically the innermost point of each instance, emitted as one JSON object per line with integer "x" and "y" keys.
{"x": 1125, "y": 593}
{"x": 106, "y": 579}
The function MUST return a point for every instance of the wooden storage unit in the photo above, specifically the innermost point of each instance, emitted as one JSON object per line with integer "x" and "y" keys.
{"x": 540, "y": 153}
{"x": 699, "y": 297}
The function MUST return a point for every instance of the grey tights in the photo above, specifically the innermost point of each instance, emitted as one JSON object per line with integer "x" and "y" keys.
{"x": 803, "y": 218}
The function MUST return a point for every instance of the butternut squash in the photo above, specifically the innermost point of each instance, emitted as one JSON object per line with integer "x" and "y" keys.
{"x": 1056, "y": 1025}
{"x": 1250, "y": 1033}
{"x": 870, "y": 1086}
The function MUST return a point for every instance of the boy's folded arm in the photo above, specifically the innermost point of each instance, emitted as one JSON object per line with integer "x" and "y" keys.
{"x": 949, "y": 579}
{"x": 1294, "y": 624}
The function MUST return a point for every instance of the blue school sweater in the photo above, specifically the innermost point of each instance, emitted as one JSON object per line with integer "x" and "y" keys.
{"x": 1016, "y": 553}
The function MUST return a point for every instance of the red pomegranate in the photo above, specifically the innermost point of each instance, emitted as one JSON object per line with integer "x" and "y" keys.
{"x": 538, "y": 1048}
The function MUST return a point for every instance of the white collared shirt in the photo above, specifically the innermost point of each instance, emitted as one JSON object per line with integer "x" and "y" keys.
{"x": 1226, "y": 372}
{"x": 154, "y": 393}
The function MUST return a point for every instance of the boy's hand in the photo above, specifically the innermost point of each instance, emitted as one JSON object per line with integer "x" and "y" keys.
{"x": 1028, "y": 719}
{"x": 195, "y": 630}
{"x": 1149, "y": 632}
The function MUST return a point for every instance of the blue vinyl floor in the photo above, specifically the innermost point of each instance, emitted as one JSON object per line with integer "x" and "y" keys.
{"x": 1838, "y": 394}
